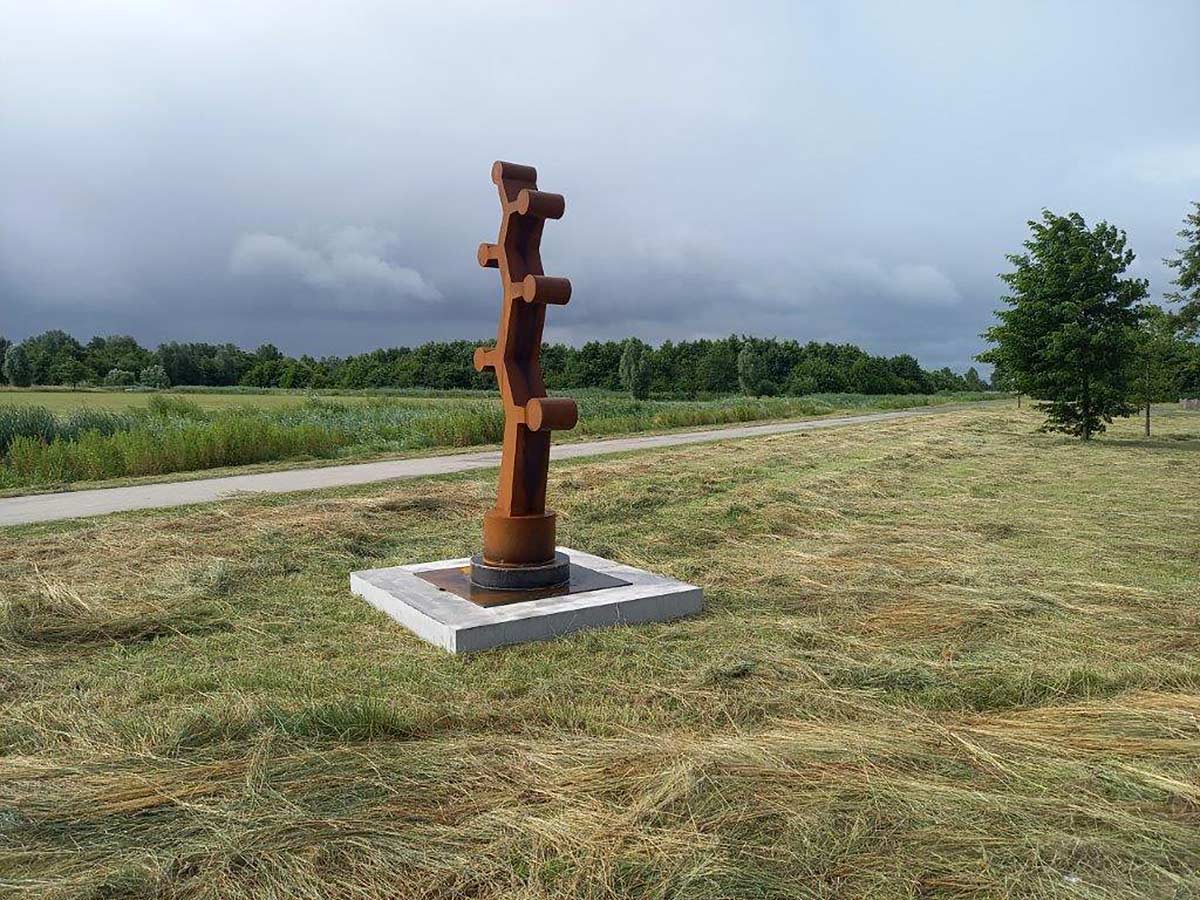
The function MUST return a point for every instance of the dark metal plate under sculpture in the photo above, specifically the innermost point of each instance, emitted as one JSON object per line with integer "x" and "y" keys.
{"x": 518, "y": 533}
{"x": 457, "y": 580}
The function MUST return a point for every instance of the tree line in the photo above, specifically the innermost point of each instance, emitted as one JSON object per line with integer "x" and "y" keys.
{"x": 736, "y": 364}
{"x": 1078, "y": 334}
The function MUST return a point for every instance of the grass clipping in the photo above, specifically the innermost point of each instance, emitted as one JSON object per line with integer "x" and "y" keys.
{"x": 941, "y": 657}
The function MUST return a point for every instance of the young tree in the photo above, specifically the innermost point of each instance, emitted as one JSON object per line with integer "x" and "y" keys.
{"x": 155, "y": 377}
{"x": 17, "y": 369}
{"x": 1187, "y": 277}
{"x": 1066, "y": 338}
{"x": 635, "y": 369}
{"x": 1157, "y": 359}
{"x": 752, "y": 372}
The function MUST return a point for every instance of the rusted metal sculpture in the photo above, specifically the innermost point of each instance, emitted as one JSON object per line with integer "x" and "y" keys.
{"x": 518, "y": 534}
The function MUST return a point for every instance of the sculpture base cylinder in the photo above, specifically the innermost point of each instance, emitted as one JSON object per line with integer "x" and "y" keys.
{"x": 520, "y": 578}
{"x": 518, "y": 540}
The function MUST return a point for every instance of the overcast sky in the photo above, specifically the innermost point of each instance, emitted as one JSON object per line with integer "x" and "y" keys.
{"x": 317, "y": 175}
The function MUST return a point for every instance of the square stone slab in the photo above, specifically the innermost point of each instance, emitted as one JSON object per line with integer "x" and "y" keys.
{"x": 460, "y": 626}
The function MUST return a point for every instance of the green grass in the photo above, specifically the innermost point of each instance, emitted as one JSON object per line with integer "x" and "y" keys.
{"x": 172, "y": 433}
{"x": 945, "y": 656}
{"x": 63, "y": 400}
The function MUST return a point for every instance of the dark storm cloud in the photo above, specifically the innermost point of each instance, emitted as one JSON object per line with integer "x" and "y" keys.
{"x": 317, "y": 177}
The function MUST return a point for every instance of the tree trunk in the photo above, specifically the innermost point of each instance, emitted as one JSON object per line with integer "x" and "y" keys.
{"x": 1086, "y": 408}
{"x": 1148, "y": 389}
{"x": 1018, "y": 401}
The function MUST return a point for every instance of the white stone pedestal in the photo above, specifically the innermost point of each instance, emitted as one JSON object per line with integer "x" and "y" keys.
{"x": 460, "y": 626}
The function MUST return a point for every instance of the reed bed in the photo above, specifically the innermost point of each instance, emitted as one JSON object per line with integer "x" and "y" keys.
{"x": 173, "y": 433}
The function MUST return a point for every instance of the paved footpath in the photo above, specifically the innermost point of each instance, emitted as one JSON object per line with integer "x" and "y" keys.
{"x": 79, "y": 504}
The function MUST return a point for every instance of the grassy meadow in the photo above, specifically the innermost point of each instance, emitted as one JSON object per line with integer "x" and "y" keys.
{"x": 46, "y": 443}
{"x": 945, "y": 656}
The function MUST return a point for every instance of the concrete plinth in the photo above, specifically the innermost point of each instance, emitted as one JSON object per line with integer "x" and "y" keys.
{"x": 460, "y": 626}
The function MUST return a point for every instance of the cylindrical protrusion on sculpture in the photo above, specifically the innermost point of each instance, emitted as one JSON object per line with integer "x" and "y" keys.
{"x": 488, "y": 255}
{"x": 542, "y": 204}
{"x": 545, "y": 289}
{"x": 551, "y": 414}
{"x": 485, "y": 358}
{"x": 513, "y": 172}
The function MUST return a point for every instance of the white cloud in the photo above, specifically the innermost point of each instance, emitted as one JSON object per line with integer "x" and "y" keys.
{"x": 350, "y": 263}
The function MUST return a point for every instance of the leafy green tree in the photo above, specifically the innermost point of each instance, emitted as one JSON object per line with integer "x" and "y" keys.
{"x": 635, "y": 369}
{"x": 1157, "y": 360}
{"x": 70, "y": 371}
{"x": 119, "y": 378}
{"x": 5, "y": 343}
{"x": 873, "y": 375}
{"x": 155, "y": 377}
{"x": 1187, "y": 273}
{"x": 47, "y": 353}
{"x": 911, "y": 377}
{"x": 103, "y": 354}
{"x": 1066, "y": 337}
{"x": 945, "y": 380}
{"x": 972, "y": 381}
{"x": 17, "y": 370}
{"x": 814, "y": 375}
{"x": 752, "y": 372}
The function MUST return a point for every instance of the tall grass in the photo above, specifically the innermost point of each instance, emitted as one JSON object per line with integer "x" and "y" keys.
{"x": 175, "y": 434}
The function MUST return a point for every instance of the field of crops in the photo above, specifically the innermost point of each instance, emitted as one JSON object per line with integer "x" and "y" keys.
{"x": 41, "y": 446}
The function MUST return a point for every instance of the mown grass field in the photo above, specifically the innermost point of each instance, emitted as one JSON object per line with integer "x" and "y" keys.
{"x": 944, "y": 656}
{"x": 43, "y": 448}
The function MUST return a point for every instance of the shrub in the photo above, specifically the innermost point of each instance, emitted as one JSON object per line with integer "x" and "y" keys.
{"x": 119, "y": 378}
{"x": 168, "y": 405}
{"x": 155, "y": 377}
{"x": 18, "y": 371}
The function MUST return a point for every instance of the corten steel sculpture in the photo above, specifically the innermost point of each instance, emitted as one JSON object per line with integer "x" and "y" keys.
{"x": 518, "y": 534}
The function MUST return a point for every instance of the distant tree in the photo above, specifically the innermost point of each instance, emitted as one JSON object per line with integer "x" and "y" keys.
{"x": 635, "y": 369}
{"x": 5, "y": 343}
{"x": 752, "y": 372}
{"x": 972, "y": 381}
{"x": 715, "y": 366}
{"x": 154, "y": 377}
{"x": 1157, "y": 360}
{"x": 1000, "y": 380}
{"x": 814, "y": 375}
{"x": 70, "y": 371}
{"x": 682, "y": 369}
{"x": 1187, "y": 274}
{"x": 17, "y": 370}
{"x": 269, "y": 373}
{"x": 1066, "y": 337}
{"x": 103, "y": 354}
{"x": 873, "y": 375}
{"x": 910, "y": 377}
{"x": 945, "y": 380}
{"x": 119, "y": 378}
{"x": 47, "y": 353}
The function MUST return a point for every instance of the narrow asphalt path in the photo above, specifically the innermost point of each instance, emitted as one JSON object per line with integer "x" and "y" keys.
{"x": 79, "y": 504}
